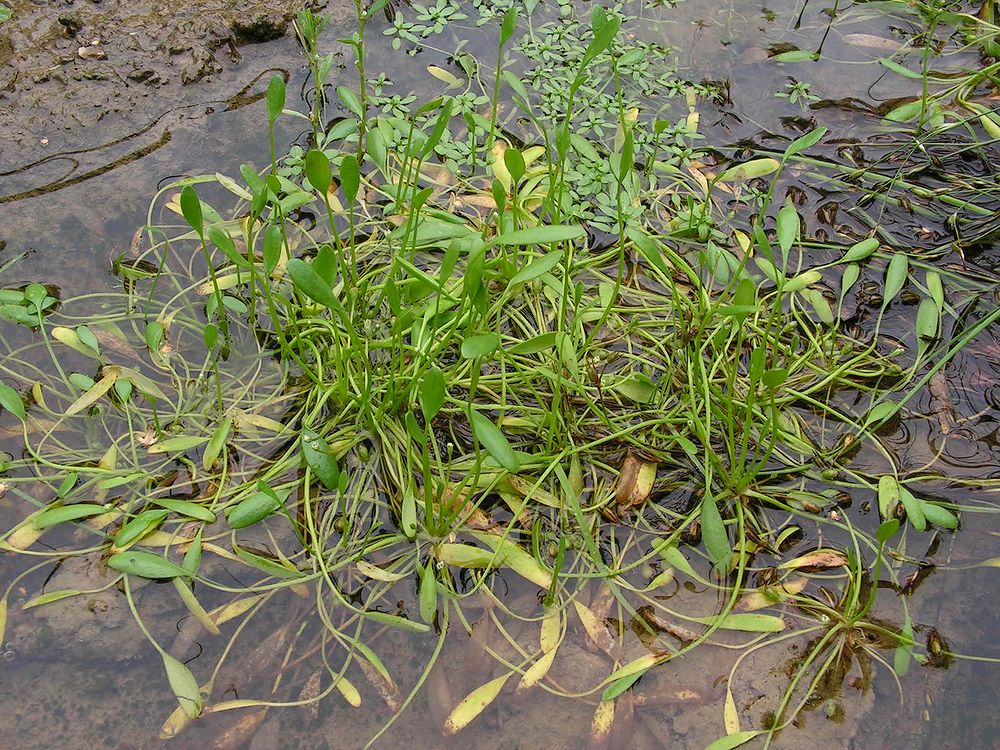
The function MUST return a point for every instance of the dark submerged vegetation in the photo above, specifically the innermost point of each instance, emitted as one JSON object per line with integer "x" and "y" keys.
{"x": 521, "y": 336}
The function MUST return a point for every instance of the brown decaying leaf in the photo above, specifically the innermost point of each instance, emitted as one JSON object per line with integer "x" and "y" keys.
{"x": 386, "y": 689}
{"x": 818, "y": 559}
{"x": 941, "y": 402}
{"x": 635, "y": 482}
{"x": 311, "y": 690}
{"x": 240, "y": 732}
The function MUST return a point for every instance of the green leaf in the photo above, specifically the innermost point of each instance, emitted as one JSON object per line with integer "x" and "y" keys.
{"x": 513, "y": 159}
{"x": 605, "y": 29}
{"x": 63, "y": 513}
{"x": 935, "y": 289}
{"x": 184, "y": 685}
{"x": 275, "y": 98}
{"x": 713, "y": 533}
{"x": 914, "y": 509}
{"x": 537, "y": 267}
{"x": 750, "y": 170}
{"x": 216, "y": 443}
{"x": 177, "y": 444}
{"x": 11, "y": 401}
{"x": 750, "y": 623}
{"x": 408, "y": 512}
{"x": 887, "y": 530}
{"x": 192, "y": 558}
{"x": 318, "y": 170}
{"x": 543, "y": 235}
{"x": 774, "y": 377}
{"x": 191, "y": 209}
{"x": 517, "y": 559}
{"x": 320, "y": 459}
{"x": 939, "y": 516}
{"x": 535, "y": 344}
{"x": 803, "y": 142}
{"x": 804, "y": 279}
{"x": 224, "y": 242}
{"x": 139, "y": 526}
{"x": 508, "y": 26}
{"x": 928, "y": 323}
{"x": 350, "y": 177}
{"x": 210, "y": 335}
{"x": 271, "y": 248}
{"x": 906, "y": 112}
{"x": 266, "y": 564}
{"x": 787, "y": 225}
{"x": 796, "y": 55}
{"x": 625, "y": 676}
{"x": 480, "y": 345}
{"x": 145, "y": 565}
{"x": 895, "y": 277}
{"x": 396, "y": 621}
{"x": 494, "y": 441}
{"x": 440, "y": 125}
{"x": 849, "y": 278}
{"x": 308, "y": 281}
{"x": 428, "y": 593}
{"x": 895, "y": 67}
{"x": 734, "y": 740}
{"x": 350, "y": 100}
{"x": 880, "y": 413}
{"x": 253, "y": 509}
{"x": 888, "y": 496}
{"x": 636, "y": 386}
{"x": 432, "y": 393}
{"x": 860, "y": 250}
{"x": 903, "y": 653}
{"x": 185, "y": 508}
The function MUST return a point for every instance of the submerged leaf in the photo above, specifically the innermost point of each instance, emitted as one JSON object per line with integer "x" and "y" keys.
{"x": 146, "y": 565}
{"x": 184, "y": 685}
{"x": 474, "y": 704}
{"x": 11, "y": 401}
{"x": 734, "y": 740}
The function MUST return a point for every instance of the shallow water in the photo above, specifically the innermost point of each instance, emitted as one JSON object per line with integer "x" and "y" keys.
{"x": 80, "y": 673}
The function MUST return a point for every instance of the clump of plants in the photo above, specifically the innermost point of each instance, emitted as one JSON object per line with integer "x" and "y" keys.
{"x": 390, "y": 367}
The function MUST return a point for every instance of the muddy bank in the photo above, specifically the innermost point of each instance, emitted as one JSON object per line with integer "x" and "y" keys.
{"x": 70, "y": 67}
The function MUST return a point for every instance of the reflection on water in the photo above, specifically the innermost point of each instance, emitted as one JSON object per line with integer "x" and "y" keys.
{"x": 80, "y": 674}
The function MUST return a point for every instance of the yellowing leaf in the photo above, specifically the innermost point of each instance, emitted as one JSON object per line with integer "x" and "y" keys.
{"x": 176, "y": 723}
{"x": 517, "y": 559}
{"x": 378, "y": 574}
{"x": 770, "y": 595}
{"x": 473, "y": 704}
{"x": 730, "y": 717}
{"x": 99, "y": 388}
{"x": 601, "y": 724}
{"x": 350, "y": 693}
{"x": 549, "y": 637}
{"x": 536, "y": 672}
{"x": 450, "y": 80}
{"x": 750, "y": 170}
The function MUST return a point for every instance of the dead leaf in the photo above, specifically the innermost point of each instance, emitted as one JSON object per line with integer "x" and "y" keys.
{"x": 818, "y": 560}
{"x": 635, "y": 482}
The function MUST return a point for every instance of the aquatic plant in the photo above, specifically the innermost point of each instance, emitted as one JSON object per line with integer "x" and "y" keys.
{"x": 424, "y": 355}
